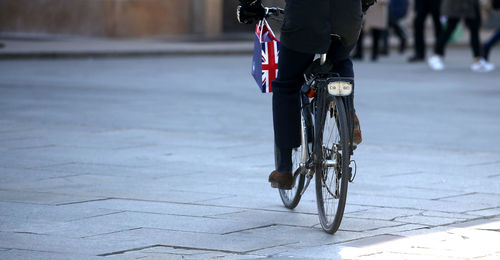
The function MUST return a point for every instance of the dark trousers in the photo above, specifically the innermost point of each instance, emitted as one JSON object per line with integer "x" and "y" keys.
{"x": 490, "y": 43}
{"x": 376, "y": 36}
{"x": 472, "y": 23}
{"x": 286, "y": 96}
{"x": 400, "y": 32}
{"x": 422, "y": 9}
{"x": 358, "y": 51}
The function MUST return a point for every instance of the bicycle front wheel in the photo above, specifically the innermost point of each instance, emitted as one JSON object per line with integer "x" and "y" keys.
{"x": 332, "y": 169}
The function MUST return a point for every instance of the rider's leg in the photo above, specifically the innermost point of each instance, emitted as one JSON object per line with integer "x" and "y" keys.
{"x": 286, "y": 105}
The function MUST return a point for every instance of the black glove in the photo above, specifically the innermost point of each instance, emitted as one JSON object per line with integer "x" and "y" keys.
{"x": 250, "y": 10}
{"x": 365, "y": 4}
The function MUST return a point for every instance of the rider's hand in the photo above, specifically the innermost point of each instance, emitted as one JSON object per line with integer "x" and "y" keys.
{"x": 250, "y": 10}
{"x": 365, "y": 4}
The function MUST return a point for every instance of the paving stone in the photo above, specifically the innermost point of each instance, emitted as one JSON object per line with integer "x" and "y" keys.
{"x": 47, "y": 198}
{"x": 193, "y": 240}
{"x": 486, "y": 212}
{"x": 29, "y": 212}
{"x": 61, "y": 244}
{"x": 428, "y": 221}
{"x": 29, "y": 254}
{"x": 383, "y": 213}
{"x": 180, "y": 209}
{"x": 174, "y": 222}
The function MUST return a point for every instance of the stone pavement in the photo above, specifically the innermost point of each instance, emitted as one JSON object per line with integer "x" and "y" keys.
{"x": 168, "y": 157}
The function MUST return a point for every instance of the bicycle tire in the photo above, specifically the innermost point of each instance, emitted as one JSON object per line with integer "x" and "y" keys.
{"x": 331, "y": 200}
{"x": 291, "y": 198}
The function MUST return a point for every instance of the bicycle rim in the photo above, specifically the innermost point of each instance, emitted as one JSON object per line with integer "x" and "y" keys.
{"x": 292, "y": 197}
{"x": 331, "y": 181}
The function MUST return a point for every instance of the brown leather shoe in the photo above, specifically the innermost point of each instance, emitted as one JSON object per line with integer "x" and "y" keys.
{"x": 281, "y": 180}
{"x": 357, "y": 139}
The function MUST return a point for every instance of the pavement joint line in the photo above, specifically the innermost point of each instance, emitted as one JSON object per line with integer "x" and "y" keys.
{"x": 399, "y": 224}
{"x": 493, "y": 176}
{"x": 33, "y": 147}
{"x": 455, "y": 196}
{"x": 60, "y": 177}
{"x": 174, "y": 247}
{"x": 248, "y": 229}
{"x": 361, "y": 238}
{"x": 32, "y": 250}
{"x": 482, "y": 164}
{"x": 218, "y": 198}
{"x": 169, "y": 214}
{"x": 405, "y": 216}
{"x": 30, "y": 233}
{"x": 224, "y": 214}
{"x": 179, "y": 230}
{"x": 48, "y": 166}
{"x": 212, "y": 205}
{"x": 490, "y": 229}
{"x": 80, "y": 202}
{"x": 114, "y": 232}
{"x": 96, "y": 216}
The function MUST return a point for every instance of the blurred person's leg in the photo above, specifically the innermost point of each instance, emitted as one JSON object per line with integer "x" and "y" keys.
{"x": 490, "y": 43}
{"x": 418, "y": 31}
{"x": 400, "y": 33}
{"x": 435, "y": 62}
{"x": 435, "y": 11}
{"x": 474, "y": 24}
{"x": 443, "y": 39}
{"x": 376, "y": 33}
{"x": 384, "y": 35}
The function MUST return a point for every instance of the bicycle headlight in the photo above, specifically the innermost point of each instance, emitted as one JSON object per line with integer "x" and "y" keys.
{"x": 340, "y": 88}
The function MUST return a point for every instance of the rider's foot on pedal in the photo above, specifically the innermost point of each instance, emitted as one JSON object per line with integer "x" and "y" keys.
{"x": 357, "y": 139}
{"x": 281, "y": 180}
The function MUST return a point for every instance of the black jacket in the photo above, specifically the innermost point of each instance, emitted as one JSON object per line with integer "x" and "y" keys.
{"x": 308, "y": 24}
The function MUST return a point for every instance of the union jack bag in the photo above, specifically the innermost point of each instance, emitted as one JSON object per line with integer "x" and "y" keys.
{"x": 265, "y": 56}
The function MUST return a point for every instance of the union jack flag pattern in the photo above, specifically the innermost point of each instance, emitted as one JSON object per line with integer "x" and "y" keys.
{"x": 265, "y": 58}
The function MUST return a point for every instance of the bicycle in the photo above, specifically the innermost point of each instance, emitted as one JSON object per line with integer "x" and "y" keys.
{"x": 326, "y": 142}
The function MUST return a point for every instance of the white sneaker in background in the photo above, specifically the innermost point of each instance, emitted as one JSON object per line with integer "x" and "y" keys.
{"x": 477, "y": 66}
{"x": 487, "y": 66}
{"x": 436, "y": 63}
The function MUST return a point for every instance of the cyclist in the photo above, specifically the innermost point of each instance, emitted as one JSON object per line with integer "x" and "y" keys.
{"x": 309, "y": 27}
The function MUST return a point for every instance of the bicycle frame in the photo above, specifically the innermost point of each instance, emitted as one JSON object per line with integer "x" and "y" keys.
{"x": 316, "y": 109}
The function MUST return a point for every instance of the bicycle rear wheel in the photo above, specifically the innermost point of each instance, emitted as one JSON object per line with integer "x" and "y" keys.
{"x": 291, "y": 198}
{"x": 332, "y": 170}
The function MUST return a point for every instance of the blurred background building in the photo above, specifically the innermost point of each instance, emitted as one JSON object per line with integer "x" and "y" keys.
{"x": 121, "y": 18}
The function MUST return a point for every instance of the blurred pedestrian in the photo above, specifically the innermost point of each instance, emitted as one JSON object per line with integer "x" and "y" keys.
{"x": 455, "y": 10}
{"x": 397, "y": 11}
{"x": 493, "y": 22}
{"x": 422, "y": 9}
{"x": 377, "y": 21}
